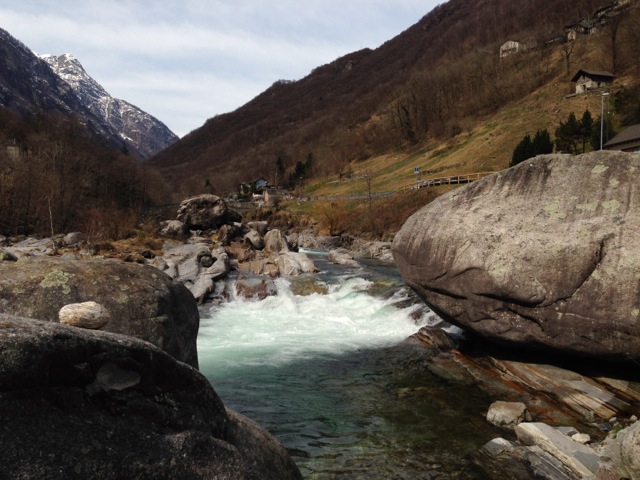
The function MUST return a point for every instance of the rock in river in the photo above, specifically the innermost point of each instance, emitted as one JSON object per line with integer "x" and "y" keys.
{"x": 545, "y": 255}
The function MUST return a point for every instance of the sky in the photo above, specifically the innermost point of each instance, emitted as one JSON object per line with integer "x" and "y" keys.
{"x": 184, "y": 61}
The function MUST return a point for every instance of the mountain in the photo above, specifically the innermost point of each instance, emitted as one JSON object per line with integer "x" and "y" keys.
{"x": 428, "y": 82}
{"x": 146, "y": 133}
{"x": 30, "y": 84}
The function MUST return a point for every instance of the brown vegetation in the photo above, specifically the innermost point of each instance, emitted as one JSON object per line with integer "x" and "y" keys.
{"x": 55, "y": 179}
{"x": 433, "y": 80}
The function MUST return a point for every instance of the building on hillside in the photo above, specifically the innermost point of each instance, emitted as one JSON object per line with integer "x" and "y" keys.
{"x": 509, "y": 48}
{"x": 587, "y": 80}
{"x": 259, "y": 185}
{"x": 584, "y": 26}
{"x": 13, "y": 150}
{"x": 627, "y": 141}
{"x": 255, "y": 187}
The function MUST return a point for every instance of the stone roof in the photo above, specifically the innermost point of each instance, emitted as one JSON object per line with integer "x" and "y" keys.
{"x": 591, "y": 73}
{"x": 628, "y": 138}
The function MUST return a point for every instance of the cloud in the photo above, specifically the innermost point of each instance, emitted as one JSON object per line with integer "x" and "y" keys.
{"x": 185, "y": 61}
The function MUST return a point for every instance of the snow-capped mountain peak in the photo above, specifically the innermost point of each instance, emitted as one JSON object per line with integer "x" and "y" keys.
{"x": 139, "y": 130}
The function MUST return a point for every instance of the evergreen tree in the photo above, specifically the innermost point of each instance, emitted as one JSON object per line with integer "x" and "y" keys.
{"x": 280, "y": 169}
{"x": 568, "y": 134}
{"x": 527, "y": 148}
{"x": 523, "y": 151}
{"x": 542, "y": 143}
{"x": 586, "y": 128}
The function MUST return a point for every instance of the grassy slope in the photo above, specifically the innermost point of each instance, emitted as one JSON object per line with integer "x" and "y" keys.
{"x": 487, "y": 147}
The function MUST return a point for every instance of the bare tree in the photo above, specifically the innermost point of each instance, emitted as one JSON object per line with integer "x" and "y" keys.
{"x": 612, "y": 31}
{"x": 567, "y": 50}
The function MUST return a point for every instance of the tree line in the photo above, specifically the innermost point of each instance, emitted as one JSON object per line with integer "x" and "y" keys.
{"x": 54, "y": 178}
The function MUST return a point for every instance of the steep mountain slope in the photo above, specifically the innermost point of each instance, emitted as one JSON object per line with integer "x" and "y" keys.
{"x": 146, "y": 133}
{"x": 30, "y": 84}
{"x": 350, "y": 108}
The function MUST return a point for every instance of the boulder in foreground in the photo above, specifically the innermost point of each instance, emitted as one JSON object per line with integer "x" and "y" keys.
{"x": 79, "y": 404}
{"x": 141, "y": 301}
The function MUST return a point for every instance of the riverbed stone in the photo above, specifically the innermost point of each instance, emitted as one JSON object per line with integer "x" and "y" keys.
{"x": 74, "y": 238}
{"x": 541, "y": 256}
{"x": 7, "y": 256}
{"x": 275, "y": 242}
{"x": 254, "y": 239}
{"x": 620, "y": 455}
{"x": 173, "y": 228}
{"x": 582, "y": 459}
{"x": 294, "y": 263}
{"x": 342, "y": 256}
{"x": 507, "y": 414}
{"x": 255, "y": 287}
{"x": 141, "y": 301}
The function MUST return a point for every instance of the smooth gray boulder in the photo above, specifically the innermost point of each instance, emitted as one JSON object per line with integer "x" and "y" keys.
{"x": 254, "y": 239}
{"x": 275, "y": 242}
{"x": 203, "y": 212}
{"x": 342, "y": 256}
{"x": 142, "y": 301}
{"x": 581, "y": 459}
{"x": 198, "y": 266}
{"x": 545, "y": 255}
{"x": 78, "y": 404}
{"x": 507, "y": 414}
{"x": 620, "y": 455}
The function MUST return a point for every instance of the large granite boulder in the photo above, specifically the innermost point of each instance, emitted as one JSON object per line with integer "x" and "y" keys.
{"x": 545, "y": 255}
{"x": 79, "y": 404}
{"x": 141, "y": 301}
{"x": 203, "y": 212}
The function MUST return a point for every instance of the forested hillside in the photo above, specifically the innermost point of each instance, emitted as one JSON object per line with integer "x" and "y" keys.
{"x": 430, "y": 82}
{"x": 55, "y": 178}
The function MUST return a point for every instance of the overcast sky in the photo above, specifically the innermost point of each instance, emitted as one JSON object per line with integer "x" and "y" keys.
{"x": 185, "y": 61}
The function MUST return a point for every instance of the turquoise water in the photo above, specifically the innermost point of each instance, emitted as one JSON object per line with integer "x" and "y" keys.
{"x": 331, "y": 376}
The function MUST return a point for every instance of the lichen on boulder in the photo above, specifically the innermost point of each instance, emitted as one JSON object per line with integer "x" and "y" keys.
{"x": 545, "y": 255}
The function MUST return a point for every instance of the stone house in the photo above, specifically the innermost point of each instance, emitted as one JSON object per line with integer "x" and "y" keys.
{"x": 627, "y": 141}
{"x": 583, "y": 26}
{"x": 587, "y": 80}
{"x": 260, "y": 184}
{"x": 13, "y": 150}
{"x": 509, "y": 48}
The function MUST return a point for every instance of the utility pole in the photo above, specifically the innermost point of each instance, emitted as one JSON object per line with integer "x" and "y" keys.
{"x": 602, "y": 116}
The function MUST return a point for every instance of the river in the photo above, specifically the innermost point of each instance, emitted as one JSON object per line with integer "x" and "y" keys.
{"x": 329, "y": 373}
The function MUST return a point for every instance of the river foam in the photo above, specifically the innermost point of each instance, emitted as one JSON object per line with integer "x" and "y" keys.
{"x": 288, "y": 327}
{"x": 327, "y": 374}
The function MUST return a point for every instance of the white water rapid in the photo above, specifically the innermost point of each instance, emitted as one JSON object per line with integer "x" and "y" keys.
{"x": 322, "y": 373}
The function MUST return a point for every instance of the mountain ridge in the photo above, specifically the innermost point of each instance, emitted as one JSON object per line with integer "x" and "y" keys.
{"x": 30, "y": 84}
{"x": 147, "y": 133}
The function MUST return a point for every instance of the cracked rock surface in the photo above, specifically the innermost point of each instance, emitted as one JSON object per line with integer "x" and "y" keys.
{"x": 545, "y": 255}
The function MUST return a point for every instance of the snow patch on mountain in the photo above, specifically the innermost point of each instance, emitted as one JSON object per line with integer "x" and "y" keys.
{"x": 138, "y": 130}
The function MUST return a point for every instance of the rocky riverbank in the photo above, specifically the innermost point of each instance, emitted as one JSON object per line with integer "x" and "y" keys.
{"x": 542, "y": 259}
{"x": 207, "y": 244}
